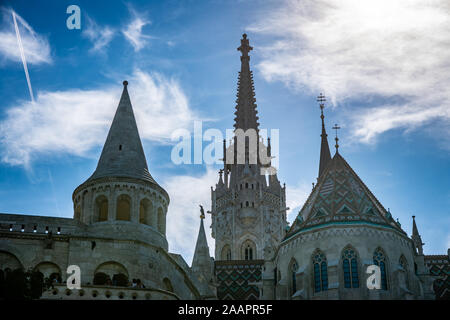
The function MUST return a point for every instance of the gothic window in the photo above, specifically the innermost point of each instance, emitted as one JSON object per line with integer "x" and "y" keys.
{"x": 123, "y": 208}
{"x": 350, "y": 267}
{"x": 253, "y": 204}
{"x": 246, "y": 203}
{"x": 249, "y": 250}
{"x": 101, "y": 209}
{"x": 379, "y": 259}
{"x": 241, "y": 204}
{"x": 320, "y": 272}
{"x": 252, "y": 186}
{"x": 246, "y": 185}
{"x": 293, "y": 267}
{"x": 226, "y": 253}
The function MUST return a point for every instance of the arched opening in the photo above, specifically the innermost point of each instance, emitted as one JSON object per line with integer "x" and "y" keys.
{"x": 320, "y": 271}
{"x": 226, "y": 252}
{"x": 379, "y": 259}
{"x": 248, "y": 250}
{"x": 111, "y": 273}
{"x": 101, "y": 209}
{"x": 350, "y": 267}
{"x": 9, "y": 261}
{"x": 77, "y": 213}
{"x": 292, "y": 270}
{"x": 145, "y": 212}
{"x": 161, "y": 221}
{"x": 123, "y": 208}
{"x": 50, "y": 271}
{"x": 168, "y": 285}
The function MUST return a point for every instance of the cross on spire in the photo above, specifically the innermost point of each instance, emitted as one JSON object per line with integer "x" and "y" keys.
{"x": 245, "y": 48}
{"x": 321, "y": 99}
{"x": 337, "y": 139}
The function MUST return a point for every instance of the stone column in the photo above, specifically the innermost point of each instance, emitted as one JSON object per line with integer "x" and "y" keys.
{"x": 333, "y": 279}
{"x": 135, "y": 206}
{"x": 112, "y": 204}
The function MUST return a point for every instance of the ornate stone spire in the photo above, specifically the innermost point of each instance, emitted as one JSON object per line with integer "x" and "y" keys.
{"x": 246, "y": 113}
{"x": 325, "y": 156}
{"x": 416, "y": 238}
{"x": 122, "y": 154}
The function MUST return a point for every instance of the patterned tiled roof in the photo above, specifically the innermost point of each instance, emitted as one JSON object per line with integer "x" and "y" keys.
{"x": 341, "y": 196}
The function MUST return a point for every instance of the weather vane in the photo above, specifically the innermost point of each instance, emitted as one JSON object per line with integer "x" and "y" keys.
{"x": 337, "y": 139}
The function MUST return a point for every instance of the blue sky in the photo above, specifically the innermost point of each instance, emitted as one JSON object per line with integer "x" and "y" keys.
{"x": 387, "y": 83}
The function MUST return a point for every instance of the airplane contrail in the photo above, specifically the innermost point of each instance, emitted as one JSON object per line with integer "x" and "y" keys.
{"x": 22, "y": 54}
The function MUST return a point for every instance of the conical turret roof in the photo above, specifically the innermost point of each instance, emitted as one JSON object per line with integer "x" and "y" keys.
{"x": 122, "y": 154}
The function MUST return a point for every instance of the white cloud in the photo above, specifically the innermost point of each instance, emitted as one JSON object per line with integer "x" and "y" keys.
{"x": 36, "y": 47}
{"x": 99, "y": 36}
{"x": 74, "y": 121}
{"x": 133, "y": 31}
{"x": 295, "y": 198}
{"x": 183, "y": 222}
{"x": 366, "y": 52}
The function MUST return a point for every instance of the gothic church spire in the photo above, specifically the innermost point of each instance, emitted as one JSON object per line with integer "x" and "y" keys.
{"x": 325, "y": 156}
{"x": 246, "y": 113}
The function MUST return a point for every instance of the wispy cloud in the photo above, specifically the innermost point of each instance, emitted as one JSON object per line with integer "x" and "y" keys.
{"x": 295, "y": 198}
{"x": 133, "y": 31}
{"x": 183, "y": 222}
{"x": 99, "y": 36}
{"x": 74, "y": 121}
{"x": 366, "y": 52}
{"x": 36, "y": 47}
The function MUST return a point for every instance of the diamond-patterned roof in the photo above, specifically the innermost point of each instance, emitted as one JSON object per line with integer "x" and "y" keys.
{"x": 341, "y": 196}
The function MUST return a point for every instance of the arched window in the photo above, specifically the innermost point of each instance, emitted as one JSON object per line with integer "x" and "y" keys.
{"x": 404, "y": 265}
{"x": 168, "y": 284}
{"x": 320, "y": 272}
{"x": 161, "y": 222}
{"x": 101, "y": 207}
{"x": 379, "y": 259}
{"x": 293, "y": 267}
{"x": 226, "y": 252}
{"x": 350, "y": 267}
{"x": 123, "y": 207}
{"x": 77, "y": 214}
{"x": 145, "y": 212}
{"x": 248, "y": 250}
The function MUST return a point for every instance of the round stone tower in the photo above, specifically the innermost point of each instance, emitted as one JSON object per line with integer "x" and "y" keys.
{"x": 121, "y": 199}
